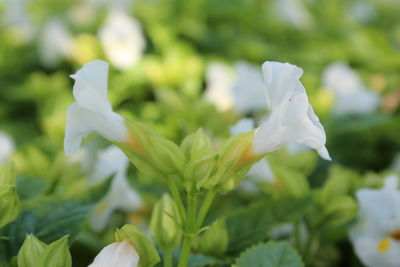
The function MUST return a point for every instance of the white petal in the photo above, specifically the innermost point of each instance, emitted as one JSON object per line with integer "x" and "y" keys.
{"x": 81, "y": 121}
{"x": 118, "y": 254}
{"x": 90, "y": 88}
{"x": 292, "y": 118}
{"x": 122, "y": 39}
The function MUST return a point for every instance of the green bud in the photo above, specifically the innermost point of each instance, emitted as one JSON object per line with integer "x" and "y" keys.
{"x": 152, "y": 154}
{"x": 200, "y": 159}
{"x": 143, "y": 245}
{"x": 340, "y": 210}
{"x": 9, "y": 201}
{"x": 56, "y": 254}
{"x": 164, "y": 224}
{"x": 30, "y": 252}
{"x": 235, "y": 159}
{"x": 35, "y": 253}
{"x": 215, "y": 239}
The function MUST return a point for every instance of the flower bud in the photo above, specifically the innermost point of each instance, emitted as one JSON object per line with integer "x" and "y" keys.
{"x": 151, "y": 153}
{"x": 201, "y": 159}
{"x": 29, "y": 253}
{"x": 235, "y": 159}
{"x": 215, "y": 239}
{"x": 9, "y": 201}
{"x": 56, "y": 254}
{"x": 164, "y": 225}
{"x": 142, "y": 244}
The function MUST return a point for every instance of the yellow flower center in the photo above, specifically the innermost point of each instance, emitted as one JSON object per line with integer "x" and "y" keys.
{"x": 384, "y": 245}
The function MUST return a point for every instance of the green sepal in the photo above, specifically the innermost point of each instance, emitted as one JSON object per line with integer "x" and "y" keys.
{"x": 143, "y": 245}
{"x": 235, "y": 159}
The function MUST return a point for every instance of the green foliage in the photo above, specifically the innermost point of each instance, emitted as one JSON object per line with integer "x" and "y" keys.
{"x": 252, "y": 224}
{"x": 9, "y": 201}
{"x": 272, "y": 254}
{"x": 49, "y": 218}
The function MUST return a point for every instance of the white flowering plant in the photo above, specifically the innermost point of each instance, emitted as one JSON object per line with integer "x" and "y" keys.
{"x": 199, "y": 133}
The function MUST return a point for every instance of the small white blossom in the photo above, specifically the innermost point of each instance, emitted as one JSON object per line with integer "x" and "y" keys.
{"x": 17, "y": 19}
{"x": 122, "y": 39}
{"x": 220, "y": 79}
{"x": 352, "y": 97}
{"x": 240, "y": 89}
{"x": 120, "y": 196}
{"x": 292, "y": 118}
{"x": 7, "y": 147}
{"x": 56, "y": 43}
{"x": 376, "y": 235}
{"x": 92, "y": 111}
{"x": 294, "y": 12}
{"x": 118, "y": 254}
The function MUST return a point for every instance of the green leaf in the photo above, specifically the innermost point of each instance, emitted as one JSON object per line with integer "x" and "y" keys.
{"x": 251, "y": 225}
{"x": 272, "y": 254}
{"x": 199, "y": 260}
{"x": 50, "y": 218}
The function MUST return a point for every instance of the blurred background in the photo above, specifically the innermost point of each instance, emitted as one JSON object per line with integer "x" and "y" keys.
{"x": 179, "y": 65}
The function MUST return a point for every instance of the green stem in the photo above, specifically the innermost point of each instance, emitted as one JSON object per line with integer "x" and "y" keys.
{"x": 205, "y": 207}
{"x": 187, "y": 244}
{"x": 190, "y": 231}
{"x": 167, "y": 258}
{"x": 177, "y": 197}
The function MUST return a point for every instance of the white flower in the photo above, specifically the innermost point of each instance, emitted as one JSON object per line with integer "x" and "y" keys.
{"x": 220, "y": 80}
{"x": 122, "y": 39}
{"x": 294, "y": 12}
{"x": 7, "y": 147}
{"x": 92, "y": 112}
{"x": 240, "y": 89}
{"x": 17, "y": 19}
{"x": 56, "y": 43}
{"x": 120, "y": 196}
{"x": 352, "y": 97}
{"x": 260, "y": 171}
{"x": 292, "y": 118}
{"x": 376, "y": 235}
{"x": 117, "y": 254}
{"x": 248, "y": 90}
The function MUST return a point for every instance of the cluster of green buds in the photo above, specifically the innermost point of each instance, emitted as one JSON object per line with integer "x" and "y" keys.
{"x": 9, "y": 201}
